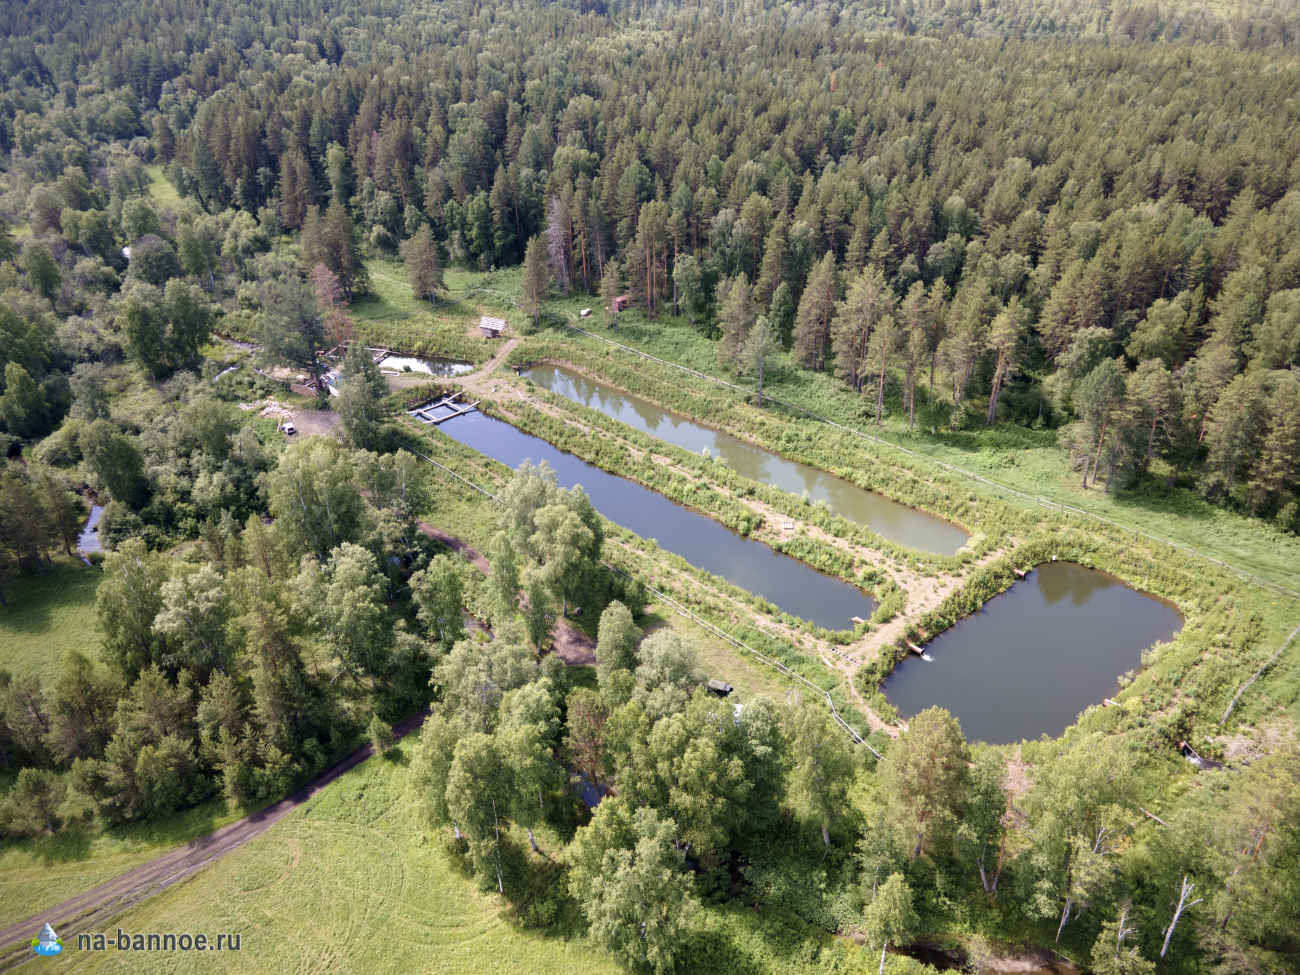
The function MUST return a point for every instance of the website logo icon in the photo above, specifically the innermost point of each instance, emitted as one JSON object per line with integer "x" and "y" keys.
{"x": 47, "y": 943}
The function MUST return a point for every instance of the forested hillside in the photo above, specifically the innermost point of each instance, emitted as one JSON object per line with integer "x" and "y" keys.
{"x": 969, "y": 226}
{"x": 1100, "y": 238}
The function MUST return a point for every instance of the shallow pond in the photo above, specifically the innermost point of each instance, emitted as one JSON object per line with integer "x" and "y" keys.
{"x": 889, "y": 519}
{"x": 1036, "y": 655}
{"x": 431, "y": 367}
{"x": 789, "y": 584}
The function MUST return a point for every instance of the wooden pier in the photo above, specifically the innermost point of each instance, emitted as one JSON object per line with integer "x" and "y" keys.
{"x": 425, "y": 413}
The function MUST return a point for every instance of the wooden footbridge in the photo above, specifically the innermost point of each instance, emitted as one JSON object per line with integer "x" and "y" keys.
{"x": 339, "y": 351}
{"x": 429, "y": 412}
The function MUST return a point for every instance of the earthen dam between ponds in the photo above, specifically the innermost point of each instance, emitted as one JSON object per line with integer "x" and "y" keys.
{"x": 1025, "y": 664}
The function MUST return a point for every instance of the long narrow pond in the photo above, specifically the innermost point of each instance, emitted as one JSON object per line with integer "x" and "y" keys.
{"x": 785, "y": 582}
{"x": 1035, "y": 656}
{"x": 896, "y": 522}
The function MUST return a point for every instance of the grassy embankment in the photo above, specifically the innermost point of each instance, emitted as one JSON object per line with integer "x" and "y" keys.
{"x": 1025, "y": 460}
{"x": 462, "y": 511}
{"x": 1229, "y": 623}
{"x": 1232, "y": 626}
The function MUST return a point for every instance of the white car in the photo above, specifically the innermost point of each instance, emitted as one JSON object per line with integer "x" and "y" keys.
{"x": 289, "y": 429}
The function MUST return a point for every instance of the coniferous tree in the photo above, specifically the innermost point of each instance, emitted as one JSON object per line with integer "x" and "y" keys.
{"x": 536, "y": 282}
{"x": 760, "y": 347}
{"x": 736, "y": 315}
{"x": 816, "y": 313}
{"x": 422, "y": 266}
{"x": 866, "y": 306}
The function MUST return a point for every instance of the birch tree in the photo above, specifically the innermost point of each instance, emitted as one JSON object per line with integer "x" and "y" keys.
{"x": 1078, "y": 811}
{"x": 638, "y": 901}
{"x": 527, "y": 738}
{"x": 478, "y": 800}
{"x": 1111, "y": 955}
{"x": 982, "y": 829}
{"x": 1185, "y": 891}
{"x": 429, "y": 770}
{"x": 822, "y": 766}
{"x": 890, "y": 918}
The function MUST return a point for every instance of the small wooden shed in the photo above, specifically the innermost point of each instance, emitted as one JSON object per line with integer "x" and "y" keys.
{"x": 492, "y": 328}
{"x": 719, "y": 687}
{"x": 621, "y": 302}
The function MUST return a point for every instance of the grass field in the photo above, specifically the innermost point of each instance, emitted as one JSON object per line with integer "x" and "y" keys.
{"x": 351, "y": 883}
{"x": 391, "y": 316}
{"x": 161, "y": 188}
{"x": 346, "y": 883}
{"x": 48, "y": 614}
{"x": 37, "y": 874}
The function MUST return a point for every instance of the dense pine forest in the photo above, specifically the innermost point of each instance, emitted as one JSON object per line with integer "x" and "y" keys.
{"x": 1099, "y": 238}
{"x": 1078, "y": 222}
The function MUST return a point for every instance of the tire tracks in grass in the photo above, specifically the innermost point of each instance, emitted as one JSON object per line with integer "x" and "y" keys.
{"x": 90, "y": 909}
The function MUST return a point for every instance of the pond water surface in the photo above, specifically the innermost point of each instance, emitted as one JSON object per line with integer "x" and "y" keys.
{"x": 889, "y": 519}
{"x": 88, "y": 540}
{"x": 1034, "y": 656}
{"x": 787, "y": 583}
{"x": 432, "y": 367}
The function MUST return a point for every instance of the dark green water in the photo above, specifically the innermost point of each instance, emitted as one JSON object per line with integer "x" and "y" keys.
{"x": 1035, "y": 656}
{"x": 787, "y": 583}
{"x": 896, "y": 522}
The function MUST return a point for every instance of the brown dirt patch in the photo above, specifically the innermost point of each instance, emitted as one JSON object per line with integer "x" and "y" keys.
{"x": 313, "y": 423}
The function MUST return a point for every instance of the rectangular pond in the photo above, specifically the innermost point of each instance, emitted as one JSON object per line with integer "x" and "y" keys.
{"x": 1033, "y": 657}
{"x": 787, "y": 583}
{"x": 888, "y": 519}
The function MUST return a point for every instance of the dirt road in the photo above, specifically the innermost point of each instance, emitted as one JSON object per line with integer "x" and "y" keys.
{"x": 490, "y": 366}
{"x": 88, "y": 911}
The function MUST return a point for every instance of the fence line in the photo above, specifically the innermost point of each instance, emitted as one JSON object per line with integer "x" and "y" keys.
{"x": 1258, "y": 674}
{"x": 952, "y": 468}
{"x": 712, "y": 628}
{"x": 970, "y": 475}
{"x": 465, "y": 481}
